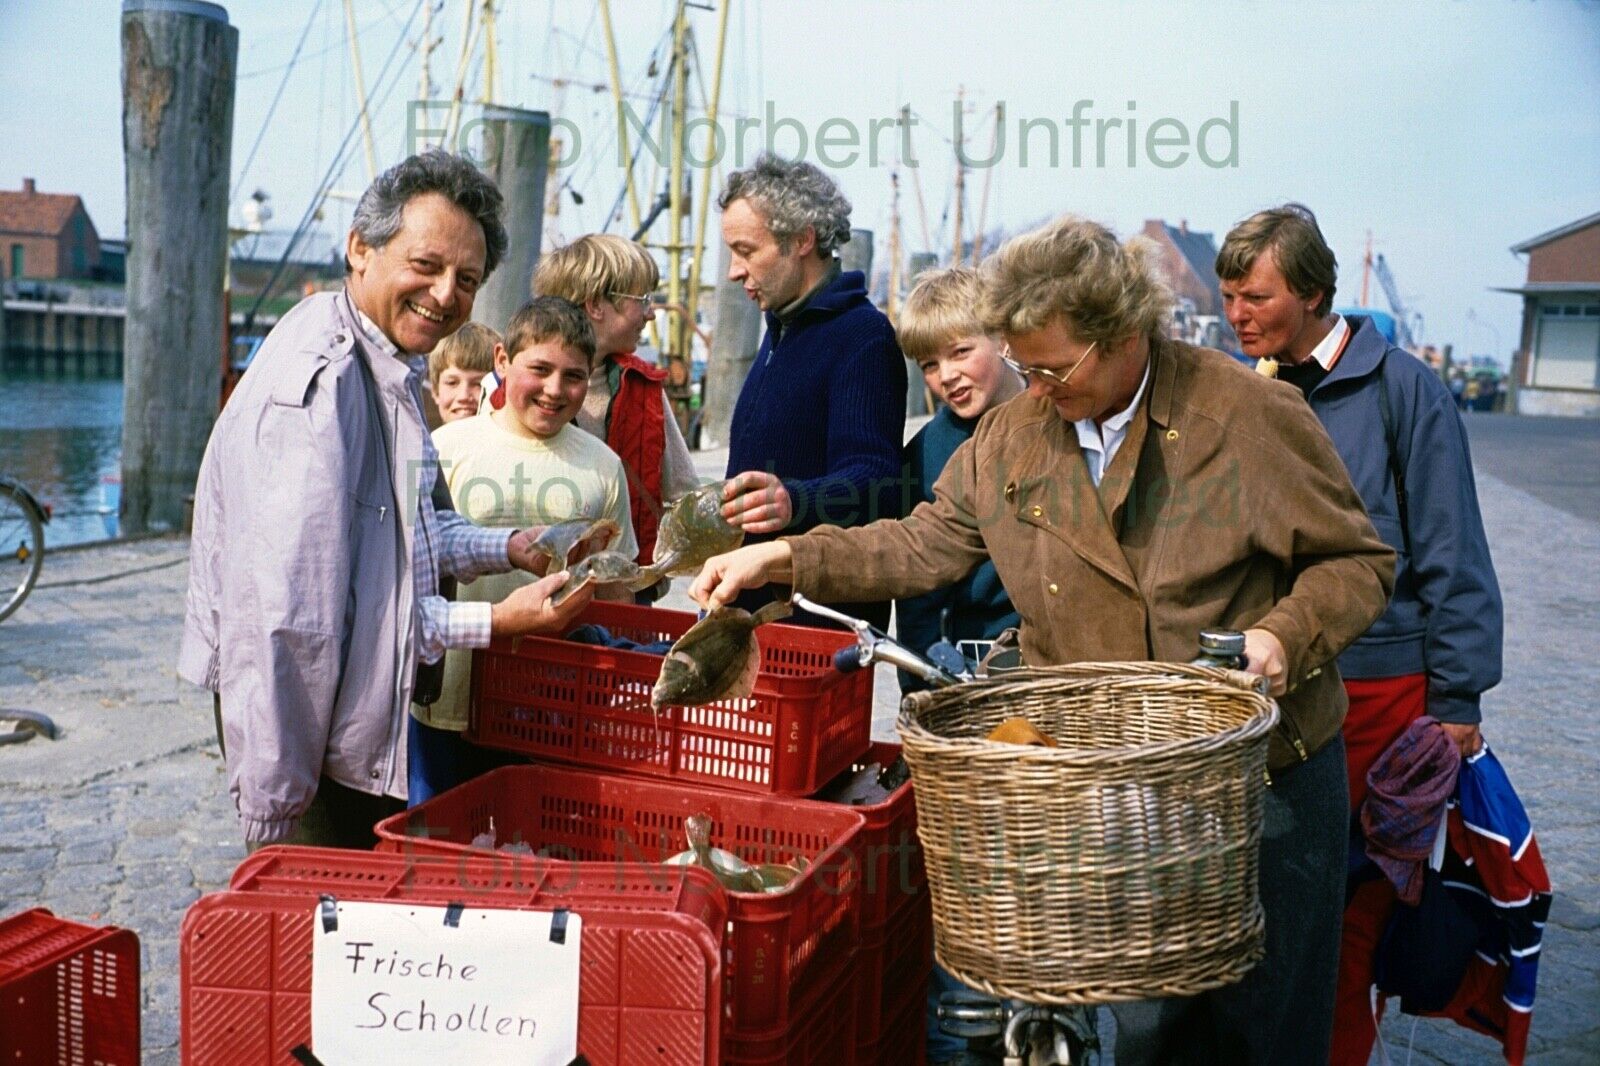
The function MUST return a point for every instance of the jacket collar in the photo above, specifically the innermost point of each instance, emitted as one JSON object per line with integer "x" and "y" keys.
{"x": 845, "y": 291}
{"x": 1163, "y": 380}
{"x": 1362, "y": 355}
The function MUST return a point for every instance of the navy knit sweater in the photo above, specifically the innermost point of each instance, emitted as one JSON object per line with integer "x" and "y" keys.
{"x": 824, "y": 408}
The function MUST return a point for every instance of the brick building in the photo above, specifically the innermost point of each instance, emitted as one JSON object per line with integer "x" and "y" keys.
{"x": 46, "y": 235}
{"x": 1188, "y": 258}
{"x": 1557, "y": 367}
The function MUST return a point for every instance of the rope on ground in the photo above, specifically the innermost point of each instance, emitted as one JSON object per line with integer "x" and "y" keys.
{"x": 103, "y": 578}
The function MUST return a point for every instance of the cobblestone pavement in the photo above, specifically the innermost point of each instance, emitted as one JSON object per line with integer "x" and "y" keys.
{"x": 126, "y": 820}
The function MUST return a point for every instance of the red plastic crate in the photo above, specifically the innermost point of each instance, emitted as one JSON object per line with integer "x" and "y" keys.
{"x": 590, "y": 706}
{"x": 820, "y": 1035}
{"x": 888, "y": 852}
{"x": 76, "y": 986}
{"x": 651, "y": 980}
{"x": 782, "y": 946}
{"x": 904, "y": 1037}
{"x": 892, "y": 965}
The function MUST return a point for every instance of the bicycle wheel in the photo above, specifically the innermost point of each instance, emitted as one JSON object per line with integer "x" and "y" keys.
{"x": 21, "y": 547}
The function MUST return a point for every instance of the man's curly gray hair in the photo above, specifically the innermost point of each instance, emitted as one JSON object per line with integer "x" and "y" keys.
{"x": 792, "y": 195}
{"x": 379, "y": 213}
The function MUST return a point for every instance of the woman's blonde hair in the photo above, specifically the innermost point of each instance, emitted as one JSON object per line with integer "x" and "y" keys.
{"x": 1076, "y": 270}
{"x": 596, "y": 266}
{"x": 941, "y": 308}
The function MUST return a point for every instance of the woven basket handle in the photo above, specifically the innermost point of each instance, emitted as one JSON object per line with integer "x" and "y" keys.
{"x": 1247, "y": 681}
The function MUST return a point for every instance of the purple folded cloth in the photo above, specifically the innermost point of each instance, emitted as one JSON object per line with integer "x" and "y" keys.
{"x": 1407, "y": 789}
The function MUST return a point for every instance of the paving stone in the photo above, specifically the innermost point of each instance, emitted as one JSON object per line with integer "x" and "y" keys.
{"x": 93, "y": 852}
{"x": 71, "y": 879}
{"x": 41, "y": 858}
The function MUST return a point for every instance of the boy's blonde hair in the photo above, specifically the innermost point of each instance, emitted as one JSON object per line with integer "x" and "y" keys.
{"x": 550, "y": 318}
{"x": 469, "y": 348}
{"x": 594, "y": 267}
{"x": 941, "y": 308}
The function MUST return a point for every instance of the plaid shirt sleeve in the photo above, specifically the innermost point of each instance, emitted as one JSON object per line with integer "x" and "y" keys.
{"x": 446, "y": 542}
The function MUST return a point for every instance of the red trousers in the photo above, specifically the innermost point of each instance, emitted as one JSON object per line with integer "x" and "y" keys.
{"x": 1380, "y": 710}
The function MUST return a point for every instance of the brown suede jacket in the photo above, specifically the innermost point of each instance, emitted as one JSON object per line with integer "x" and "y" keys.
{"x": 1225, "y": 506}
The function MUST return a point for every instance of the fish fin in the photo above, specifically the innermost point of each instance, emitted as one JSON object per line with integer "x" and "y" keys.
{"x": 745, "y": 683}
{"x": 776, "y": 611}
{"x": 569, "y": 589}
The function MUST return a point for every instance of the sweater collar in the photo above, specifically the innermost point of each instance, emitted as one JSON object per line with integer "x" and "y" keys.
{"x": 790, "y": 311}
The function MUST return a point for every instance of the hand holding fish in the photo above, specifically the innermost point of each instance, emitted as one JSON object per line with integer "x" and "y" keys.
{"x": 757, "y": 502}
{"x": 521, "y": 553}
{"x": 529, "y": 609}
{"x": 725, "y": 576}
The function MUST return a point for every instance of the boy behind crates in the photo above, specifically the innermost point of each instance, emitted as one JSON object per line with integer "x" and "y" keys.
{"x": 939, "y": 331}
{"x": 456, "y": 367}
{"x": 627, "y": 407}
{"x": 524, "y": 464}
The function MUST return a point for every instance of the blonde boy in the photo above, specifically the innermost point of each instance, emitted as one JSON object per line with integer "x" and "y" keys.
{"x": 457, "y": 365}
{"x": 627, "y": 407}
{"x": 522, "y": 465}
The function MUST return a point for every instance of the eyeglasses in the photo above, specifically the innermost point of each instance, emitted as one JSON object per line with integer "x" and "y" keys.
{"x": 1049, "y": 377}
{"x": 644, "y": 301}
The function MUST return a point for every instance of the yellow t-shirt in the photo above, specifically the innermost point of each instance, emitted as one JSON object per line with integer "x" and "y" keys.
{"x": 500, "y": 479}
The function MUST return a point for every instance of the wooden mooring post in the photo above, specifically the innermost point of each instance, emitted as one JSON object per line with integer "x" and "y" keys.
{"x": 178, "y": 64}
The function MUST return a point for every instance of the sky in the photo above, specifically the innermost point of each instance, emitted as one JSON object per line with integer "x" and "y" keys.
{"x": 1448, "y": 129}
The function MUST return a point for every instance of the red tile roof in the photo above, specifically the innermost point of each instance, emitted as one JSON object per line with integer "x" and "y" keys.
{"x": 40, "y": 214}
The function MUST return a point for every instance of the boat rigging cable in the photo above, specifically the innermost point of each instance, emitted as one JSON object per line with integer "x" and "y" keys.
{"x": 272, "y": 110}
{"x": 655, "y": 103}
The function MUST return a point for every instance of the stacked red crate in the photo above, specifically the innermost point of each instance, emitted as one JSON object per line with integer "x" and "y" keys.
{"x": 786, "y": 950}
{"x": 650, "y": 976}
{"x": 77, "y": 985}
{"x": 895, "y": 952}
{"x": 587, "y": 705}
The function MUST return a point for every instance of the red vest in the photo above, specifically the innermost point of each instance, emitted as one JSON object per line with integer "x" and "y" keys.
{"x": 637, "y": 432}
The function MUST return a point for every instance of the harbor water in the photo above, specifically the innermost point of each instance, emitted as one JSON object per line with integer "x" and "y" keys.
{"x": 62, "y": 437}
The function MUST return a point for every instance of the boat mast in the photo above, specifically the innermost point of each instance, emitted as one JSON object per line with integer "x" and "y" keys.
{"x": 961, "y": 173}
{"x": 361, "y": 90}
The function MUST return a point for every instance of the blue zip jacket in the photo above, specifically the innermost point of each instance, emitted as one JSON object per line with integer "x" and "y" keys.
{"x": 824, "y": 408}
{"x": 1445, "y": 617}
{"x": 978, "y": 605}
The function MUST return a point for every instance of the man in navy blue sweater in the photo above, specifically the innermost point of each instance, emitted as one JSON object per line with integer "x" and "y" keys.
{"x": 1437, "y": 648}
{"x": 816, "y": 434}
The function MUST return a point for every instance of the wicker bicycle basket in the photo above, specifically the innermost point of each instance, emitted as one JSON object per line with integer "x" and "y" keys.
{"x": 1120, "y": 865}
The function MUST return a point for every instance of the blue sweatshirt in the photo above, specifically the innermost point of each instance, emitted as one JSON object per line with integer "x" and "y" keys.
{"x": 978, "y": 605}
{"x": 1445, "y": 617}
{"x": 824, "y": 408}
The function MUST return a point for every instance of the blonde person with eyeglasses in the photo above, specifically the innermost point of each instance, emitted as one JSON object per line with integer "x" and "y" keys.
{"x": 612, "y": 279}
{"x": 1143, "y": 490}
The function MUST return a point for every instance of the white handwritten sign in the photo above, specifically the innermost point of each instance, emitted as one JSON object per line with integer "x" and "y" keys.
{"x": 394, "y": 983}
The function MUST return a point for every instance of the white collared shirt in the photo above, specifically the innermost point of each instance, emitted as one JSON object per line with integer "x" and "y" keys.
{"x": 1101, "y": 441}
{"x": 1327, "y": 350}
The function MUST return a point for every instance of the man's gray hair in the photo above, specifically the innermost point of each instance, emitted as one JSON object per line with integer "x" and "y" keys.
{"x": 378, "y": 214}
{"x": 792, "y": 195}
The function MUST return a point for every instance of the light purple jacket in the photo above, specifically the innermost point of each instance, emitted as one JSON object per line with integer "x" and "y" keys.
{"x": 301, "y": 607}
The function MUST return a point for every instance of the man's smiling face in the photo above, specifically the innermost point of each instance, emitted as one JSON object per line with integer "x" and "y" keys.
{"x": 419, "y": 287}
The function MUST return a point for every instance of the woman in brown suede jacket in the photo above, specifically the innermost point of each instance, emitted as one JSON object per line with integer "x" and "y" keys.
{"x": 1140, "y": 491}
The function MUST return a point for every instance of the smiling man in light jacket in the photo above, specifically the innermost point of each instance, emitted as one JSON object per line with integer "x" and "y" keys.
{"x": 317, "y": 547}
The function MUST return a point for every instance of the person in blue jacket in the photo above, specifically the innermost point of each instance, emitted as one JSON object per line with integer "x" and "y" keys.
{"x": 816, "y": 433}
{"x": 1437, "y": 647}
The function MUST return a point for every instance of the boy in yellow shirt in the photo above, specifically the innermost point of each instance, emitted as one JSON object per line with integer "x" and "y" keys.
{"x": 522, "y": 464}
